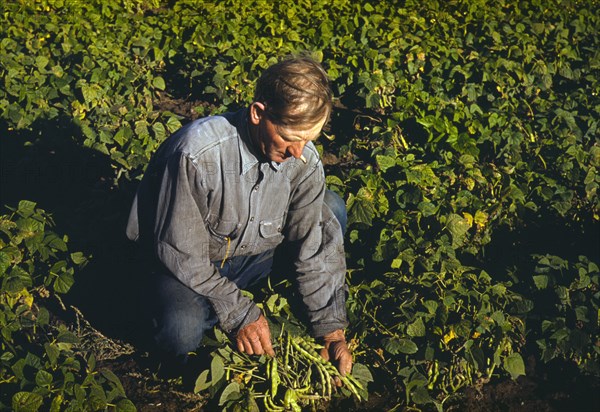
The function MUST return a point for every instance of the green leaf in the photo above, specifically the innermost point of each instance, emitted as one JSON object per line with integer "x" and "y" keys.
{"x": 362, "y": 373}
{"x": 67, "y": 337}
{"x": 560, "y": 334}
{"x": 18, "y": 280}
{"x": 514, "y": 365}
{"x": 26, "y": 208}
{"x": 396, "y": 346}
{"x": 251, "y": 404}
{"x": 90, "y": 93}
{"x": 270, "y": 303}
{"x": 231, "y": 392}
{"x": 421, "y": 396}
{"x": 541, "y": 281}
{"x": 141, "y": 129}
{"x": 427, "y": 208}
{"x": 159, "y": 83}
{"x": 91, "y": 363}
{"x": 467, "y": 160}
{"x": 63, "y": 282}
{"x": 79, "y": 393}
{"x": 498, "y": 289}
{"x": 123, "y": 135}
{"x": 523, "y": 306}
{"x": 97, "y": 397}
{"x": 373, "y": 100}
{"x": 385, "y": 162}
{"x": 56, "y": 242}
{"x": 217, "y": 369}
{"x": 458, "y": 228}
{"x": 202, "y": 382}
{"x": 56, "y": 403}
{"x": 43, "y": 316}
{"x": 159, "y": 131}
{"x": 173, "y": 124}
{"x": 125, "y": 405}
{"x": 53, "y": 352}
{"x": 43, "y": 378}
{"x": 78, "y": 258}
{"x": 431, "y": 306}
{"x": 114, "y": 379}
{"x": 333, "y": 180}
{"x": 41, "y": 62}
{"x": 361, "y": 210}
{"x": 4, "y": 262}
{"x": 220, "y": 335}
{"x": 26, "y": 402}
{"x": 417, "y": 328}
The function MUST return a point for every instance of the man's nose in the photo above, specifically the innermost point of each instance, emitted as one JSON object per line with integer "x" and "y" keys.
{"x": 296, "y": 149}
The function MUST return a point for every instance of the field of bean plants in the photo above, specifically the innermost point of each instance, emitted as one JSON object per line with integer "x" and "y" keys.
{"x": 465, "y": 141}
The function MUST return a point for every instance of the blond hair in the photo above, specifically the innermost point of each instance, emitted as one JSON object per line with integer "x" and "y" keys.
{"x": 295, "y": 92}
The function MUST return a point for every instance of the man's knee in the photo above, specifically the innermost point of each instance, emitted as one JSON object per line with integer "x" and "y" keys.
{"x": 179, "y": 332}
{"x": 338, "y": 207}
{"x": 180, "y": 316}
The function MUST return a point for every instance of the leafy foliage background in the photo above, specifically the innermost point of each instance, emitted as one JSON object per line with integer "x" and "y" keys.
{"x": 464, "y": 141}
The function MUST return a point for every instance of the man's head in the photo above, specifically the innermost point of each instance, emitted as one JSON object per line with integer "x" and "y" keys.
{"x": 291, "y": 105}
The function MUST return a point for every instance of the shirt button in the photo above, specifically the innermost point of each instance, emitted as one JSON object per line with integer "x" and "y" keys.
{"x": 256, "y": 188}
{"x": 243, "y": 247}
{"x": 252, "y": 219}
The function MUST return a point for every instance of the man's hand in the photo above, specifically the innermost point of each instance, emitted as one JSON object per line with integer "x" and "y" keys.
{"x": 255, "y": 338}
{"x": 337, "y": 352}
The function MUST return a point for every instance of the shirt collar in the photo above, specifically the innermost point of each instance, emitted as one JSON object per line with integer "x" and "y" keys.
{"x": 248, "y": 155}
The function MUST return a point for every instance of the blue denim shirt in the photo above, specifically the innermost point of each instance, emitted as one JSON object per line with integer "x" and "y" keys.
{"x": 206, "y": 197}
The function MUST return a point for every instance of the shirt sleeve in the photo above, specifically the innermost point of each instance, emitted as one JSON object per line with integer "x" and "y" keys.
{"x": 182, "y": 243}
{"x": 315, "y": 236}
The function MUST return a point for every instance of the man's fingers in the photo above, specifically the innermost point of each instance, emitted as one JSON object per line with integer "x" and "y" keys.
{"x": 255, "y": 338}
{"x": 342, "y": 356}
{"x": 257, "y": 348}
{"x": 240, "y": 345}
{"x": 264, "y": 335}
{"x": 345, "y": 364}
{"x": 325, "y": 353}
{"x": 245, "y": 346}
{"x": 265, "y": 341}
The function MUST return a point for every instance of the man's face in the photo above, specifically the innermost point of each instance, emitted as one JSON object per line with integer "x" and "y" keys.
{"x": 278, "y": 143}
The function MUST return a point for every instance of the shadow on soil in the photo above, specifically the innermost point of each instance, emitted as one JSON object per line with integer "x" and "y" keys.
{"x": 75, "y": 185}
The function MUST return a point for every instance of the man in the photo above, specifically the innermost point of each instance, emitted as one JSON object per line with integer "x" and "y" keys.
{"x": 224, "y": 196}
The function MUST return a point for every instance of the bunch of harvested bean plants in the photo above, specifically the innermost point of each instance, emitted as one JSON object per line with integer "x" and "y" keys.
{"x": 296, "y": 378}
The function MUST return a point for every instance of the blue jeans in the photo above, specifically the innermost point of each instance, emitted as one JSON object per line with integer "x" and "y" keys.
{"x": 182, "y": 316}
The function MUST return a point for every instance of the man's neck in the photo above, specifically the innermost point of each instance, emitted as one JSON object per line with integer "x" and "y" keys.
{"x": 253, "y": 143}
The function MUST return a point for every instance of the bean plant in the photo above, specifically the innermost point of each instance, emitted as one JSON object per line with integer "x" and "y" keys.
{"x": 296, "y": 378}
{"x": 42, "y": 367}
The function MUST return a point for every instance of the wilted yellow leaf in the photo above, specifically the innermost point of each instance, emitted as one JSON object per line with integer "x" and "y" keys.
{"x": 449, "y": 336}
{"x": 469, "y": 218}
{"x": 470, "y": 183}
{"x": 481, "y": 219}
{"x": 26, "y": 298}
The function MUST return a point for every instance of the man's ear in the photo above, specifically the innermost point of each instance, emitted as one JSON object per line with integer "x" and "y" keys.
{"x": 257, "y": 111}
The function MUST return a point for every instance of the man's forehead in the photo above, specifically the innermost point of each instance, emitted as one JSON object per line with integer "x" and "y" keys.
{"x": 310, "y": 132}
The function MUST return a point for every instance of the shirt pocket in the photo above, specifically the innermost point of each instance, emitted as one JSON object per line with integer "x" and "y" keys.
{"x": 221, "y": 232}
{"x": 270, "y": 231}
